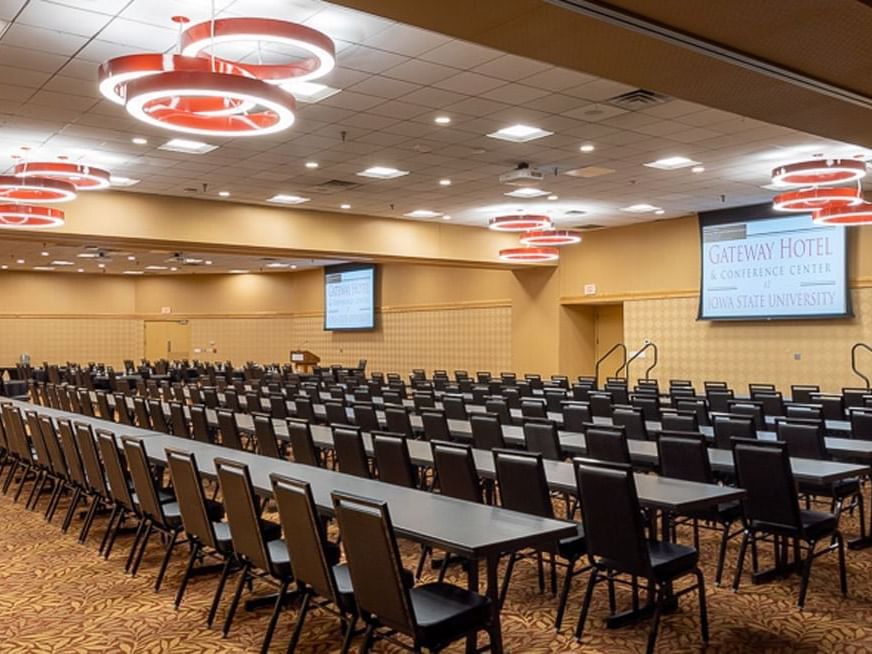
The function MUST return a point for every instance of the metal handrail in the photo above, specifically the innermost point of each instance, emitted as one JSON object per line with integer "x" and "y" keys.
{"x": 647, "y": 346}
{"x": 859, "y": 346}
{"x": 607, "y": 355}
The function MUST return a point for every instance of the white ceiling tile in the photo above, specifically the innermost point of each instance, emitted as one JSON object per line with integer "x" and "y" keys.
{"x": 598, "y": 89}
{"x": 594, "y": 112}
{"x": 134, "y": 35}
{"x": 516, "y": 94}
{"x": 512, "y": 68}
{"x": 469, "y": 83}
{"x": 369, "y": 60}
{"x": 460, "y": 54}
{"x": 9, "y": 8}
{"x": 45, "y": 40}
{"x": 383, "y": 87}
{"x": 420, "y": 72}
{"x": 26, "y": 59}
{"x": 50, "y": 16}
{"x": 406, "y": 40}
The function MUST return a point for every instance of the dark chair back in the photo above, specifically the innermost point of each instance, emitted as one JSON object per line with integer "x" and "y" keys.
{"x": 189, "y": 494}
{"x": 684, "y": 456}
{"x": 156, "y": 414}
{"x": 772, "y": 403}
{"x": 523, "y": 487}
{"x": 265, "y": 436}
{"x": 143, "y": 482}
{"x": 575, "y": 415}
{"x": 728, "y": 427}
{"x": 302, "y": 446}
{"x": 763, "y": 471}
{"x": 802, "y": 392}
{"x": 85, "y": 404}
{"x": 106, "y": 412}
{"x": 682, "y": 421}
{"x": 804, "y": 412}
{"x": 456, "y": 471}
{"x": 833, "y": 406}
{"x": 500, "y": 408}
{"x": 336, "y": 413}
{"x": 601, "y": 404}
{"x": 140, "y": 410}
{"x": 374, "y": 561}
{"x": 699, "y": 406}
{"x": 75, "y": 469}
{"x": 455, "y": 407}
{"x": 229, "y": 429}
{"x": 803, "y": 440}
{"x": 608, "y": 444}
{"x": 533, "y": 408}
{"x": 178, "y": 420}
{"x": 365, "y": 417}
{"x": 91, "y": 460}
{"x": 423, "y": 401}
{"x": 391, "y": 453}
{"x": 303, "y": 408}
{"x": 122, "y": 410}
{"x": 242, "y": 516}
{"x": 57, "y": 461}
{"x": 612, "y": 517}
{"x": 649, "y": 406}
{"x": 487, "y": 433}
{"x": 435, "y": 425}
{"x": 633, "y": 420}
{"x": 754, "y": 409}
{"x": 199, "y": 424}
{"x": 397, "y": 419}
{"x": 541, "y": 436}
{"x": 350, "y": 452}
{"x": 861, "y": 424}
{"x": 231, "y": 401}
{"x": 116, "y": 477}
{"x": 719, "y": 399}
{"x": 278, "y": 406}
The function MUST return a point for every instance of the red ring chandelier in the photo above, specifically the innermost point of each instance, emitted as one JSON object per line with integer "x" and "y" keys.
{"x": 197, "y": 92}
{"x": 829, "y": 205}
{"x": 530, "y": 255}
{"x": 35, "y": 189}
{"x": 520, "y": 223}
{"x": 26, "y": 216}
{"x": 551, "y": 237}
{"x": 80, "y": 176}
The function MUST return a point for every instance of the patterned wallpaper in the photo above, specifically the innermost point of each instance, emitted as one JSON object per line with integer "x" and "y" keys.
{"x": 743, "y": 352}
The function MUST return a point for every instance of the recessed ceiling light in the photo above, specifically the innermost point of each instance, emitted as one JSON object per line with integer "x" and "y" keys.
{"x": 446, "y": 217}
{"x": 4, "y": 267}
{"x": 671, "y": 163}
{"x": 117, "y": 180}
{"x": 659, "y": 212}
{"x": 238, "y": 271}
{"x": 442, "y": 120}
{"x": 61, "y": 262}
{"x": 101, "y": 265}
{"x": 311, "y": 165}
{"x": 642, "y": 207}
{"x": 278, "y": 264}
{"x": 192, "y": 261}
{"x": 423, "y": 213}
{"x": 44, "y": 253}
{"x": 587, "y": 147}
{"x": 133, "y": 272}
{"x": 19, "y": 261}
{"x": 294, "y": 267}
{"x": 138, "y": 140}
{"x": 81, "y": 270}
{"x": 208, "y": 262}
{"x": 309, "y": 91}
{"x": 87, "y": 255}
{"x": 155, "y": 267}
{"x": 188, "y": 146}
{"x": 43, "y": 268}
{"x": 131, "y": 258}
{"x": 382, "y": 172}
{"x": 520, "y": 133}
{"x": 173, "y": 268}
{"x": 345, "y": 206}
{"x": 526, "y": 192}
{"x": 224, "y": 194}
{"x": 444, "y": 182}
{"x": 283, "y": 198}
{"x": 697, "y": 169}
{"x": 553, "y": 197}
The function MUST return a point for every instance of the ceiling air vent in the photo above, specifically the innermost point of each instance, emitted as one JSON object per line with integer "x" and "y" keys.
{"x": 589, "y": 226}
{"x": 637, "y": 99}
{"x": 333, "y": 186}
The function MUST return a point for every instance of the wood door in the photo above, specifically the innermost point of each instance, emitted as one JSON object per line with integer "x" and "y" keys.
{"x": 167, "y": 339}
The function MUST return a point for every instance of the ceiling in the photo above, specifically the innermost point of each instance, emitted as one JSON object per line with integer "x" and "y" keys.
{"x": 395, "y": 80}
{"x": 50, "y": 256}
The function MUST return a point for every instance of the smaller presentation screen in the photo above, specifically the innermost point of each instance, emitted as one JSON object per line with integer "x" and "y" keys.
{"x": 772, "y": 267}
{"x": 349, "y": 297}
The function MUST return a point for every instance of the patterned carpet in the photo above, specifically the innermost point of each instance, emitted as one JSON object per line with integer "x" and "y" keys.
{"x": 59, "y": 596}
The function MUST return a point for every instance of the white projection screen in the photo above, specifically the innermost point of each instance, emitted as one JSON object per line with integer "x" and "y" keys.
{"x": 349, "y": 297}
{"x": 760, "y": 266}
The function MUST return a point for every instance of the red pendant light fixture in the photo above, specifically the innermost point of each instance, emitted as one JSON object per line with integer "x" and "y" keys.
{"x": 551, "y": 237}
{"x": 26, "y": 216}
{"x": 80, "y": 176}
{"x": 530, "y": 254}
{"x": 520, "y": 223}
{"x": 35, "y": 189}
{"x": 199, "y": 38}
{"x": 197, "y": 92}
{"x": 819, "y": 172}
{"x": 812, "y": 199}
{"x": 860, "y": 214}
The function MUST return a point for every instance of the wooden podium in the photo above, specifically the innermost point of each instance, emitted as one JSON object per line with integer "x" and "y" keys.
{"x": 304, "y": 360}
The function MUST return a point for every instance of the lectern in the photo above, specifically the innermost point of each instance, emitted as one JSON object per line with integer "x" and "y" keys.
{"x": 303, "y": 360}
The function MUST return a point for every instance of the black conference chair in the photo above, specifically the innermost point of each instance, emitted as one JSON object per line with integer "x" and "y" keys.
{"x": 684, "y": 455}
{"x": 97, "y": 488}
{"x": 157, "y": 417}
{"x": 608, "y": 444}
{"x": 392, "y": 460}
{"x": 575, "y": 417}
{"x": 771, "y": 507}
{"x": 302, "y": 445}
{"x": 106, "y": 412}
{"x": 76, "y": 471}
{"x": 260, "y": 557}
{"x": 487, "y": 433}
{"x": 278, "y": 406}
{"x": 122, "y": 409}
{"x": 500, "y": 408}
{"x": 431, "y": 615}
{"x": 435, "y": 425}
{"x": 541, "y": 436}
{"x": 699, "y": 406}
{"x": 365, "y": 417}
{"x": 265, "y": 436}
{"x": 229, "y": 429}
{"x": 200, "y": 430}
{"x": 123, "y": 504}
{"x": 455, "y": 407}
{"x": 861, "y": 424}
{"x": 350, "y": 452}
{"x": 304, "y": 409}
{"x": 316, "y": 570}
{"x": 728, "y": 427}
{"x": 752, "y": 409}
{"x": 178, "y": 420}
{"x": 616, "y": 543}
{"x": 802, "y": 392}
{"x": 803, "y": 412}
{"x": 633, "y": 421}
{"x": 533, "y": 408}
{"x": 523, "y": 488}
{"x": 679, "y": 421}
{"x": 336, "y": 413}
{"x": 398, "y": 422}
{"x": 140, "y": 410}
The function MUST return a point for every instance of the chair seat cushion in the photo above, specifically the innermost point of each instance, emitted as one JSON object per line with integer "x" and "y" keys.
{"x": 444, "y": 611}
{"x": 670, "y": 560}
{"x": 818, "y": 523}
{"x": 281, "y": 561}
{"x": 573, "y": 547}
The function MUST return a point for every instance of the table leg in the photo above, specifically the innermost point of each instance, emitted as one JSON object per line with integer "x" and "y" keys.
{"x": 864, "y": 540}
{"x": 472, "y": 584}
{"x": 493, "y": 592}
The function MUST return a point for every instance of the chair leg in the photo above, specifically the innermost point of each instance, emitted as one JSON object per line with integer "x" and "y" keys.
{"x": 740, "y": 563}
{"x": 143, "y": 524}
{"x": 301, "y": 617}
{"x": 183, "y": 584}
{"x": 112, "y": 516}
{"x": 349, "y": 634}
{"x": 553, "y": 565}
{"x": 703, "y": 605}
{"x": 146, "y": 536}
{"x": 564, "y": 596}
{"x": 426, "y": 550}
{"x": 271, "y": 626}
{"x": 367, "y": 639}
{"x": 507, "y": 577}
{"x": 35, "y": 491}
{"x": 89, "y": 519}
{"x": 722, "y": 554}
{"x": 24, "y": 476}
{"x": 541, "y": 570}
{"x": 655, "y": 621}
{"x": 174, "y": 536}
{"x": 843, "y": 573}
{"x": 122, "y": 514}
{"x": 53, "y": 501}
{"x": 585, "y": 605}
{"x": 231, "y": 611}
{"x": 71, "y": 511}
{"x": 10, "y": 475}
{"x": 806, "y": 574}
{"x": 219, "y": 590}
{"x": 443, "y": 568}
{"x": 610, "y": 576}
